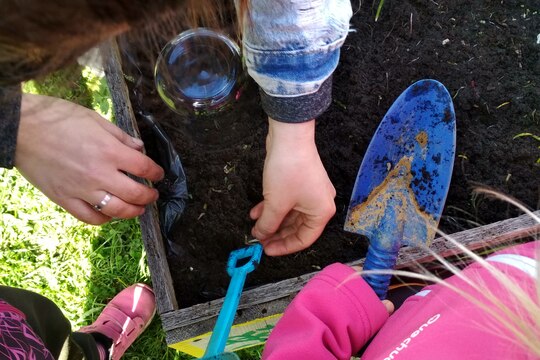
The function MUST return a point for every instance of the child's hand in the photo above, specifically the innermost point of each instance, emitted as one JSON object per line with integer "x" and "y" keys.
{"x": 389, "y": 306}
{"x": 387, "y": 303}
{"x": 298, "y": 195}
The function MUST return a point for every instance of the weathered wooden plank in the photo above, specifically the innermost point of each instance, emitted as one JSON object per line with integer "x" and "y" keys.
{"x": 489, "y": 235}
{"x": 257, "y": 311}
{"x": 273, "y": 298}
{"x": 151, "y": 234}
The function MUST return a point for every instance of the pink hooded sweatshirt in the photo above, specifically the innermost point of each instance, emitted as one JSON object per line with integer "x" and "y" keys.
{"x": 336, "y": 313}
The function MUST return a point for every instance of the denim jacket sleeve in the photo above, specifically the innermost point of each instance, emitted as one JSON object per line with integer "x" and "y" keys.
{"x": 291, "y": 48}
{"x": 10, "y": 109}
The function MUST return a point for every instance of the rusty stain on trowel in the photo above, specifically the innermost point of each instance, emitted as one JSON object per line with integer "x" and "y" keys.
{"x": 392, "y": 210}
{"x": 422, "y": 138}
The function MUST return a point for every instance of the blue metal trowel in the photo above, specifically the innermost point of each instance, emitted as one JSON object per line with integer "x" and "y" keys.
{"x": 402, "y": 183}
{"x": 240, "y": 263}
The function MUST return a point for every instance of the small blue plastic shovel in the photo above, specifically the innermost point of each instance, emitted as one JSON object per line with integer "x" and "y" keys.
{"x": 241, "y": 262}
{"x": 404, "y": 177}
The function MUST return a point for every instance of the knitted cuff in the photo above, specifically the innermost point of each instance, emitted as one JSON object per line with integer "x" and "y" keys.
{"x": 299, "y": 108}
{"x": 10, "y": 114}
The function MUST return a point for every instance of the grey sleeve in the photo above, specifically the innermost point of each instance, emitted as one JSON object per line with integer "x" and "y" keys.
{"x": 299, "y": 108}
{"x": 10, "y": 114}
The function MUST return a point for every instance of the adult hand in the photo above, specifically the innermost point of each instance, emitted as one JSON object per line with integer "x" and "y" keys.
{"x": 298, "y": 195}
{"x": 76, "y": 157}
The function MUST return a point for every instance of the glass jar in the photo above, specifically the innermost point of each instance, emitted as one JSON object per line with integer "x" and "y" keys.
{"x": 199, "y": 72}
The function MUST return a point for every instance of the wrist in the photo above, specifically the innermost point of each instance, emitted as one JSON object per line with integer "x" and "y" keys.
{"x": 294, "y": 134}
{"x": 30, "y": 110}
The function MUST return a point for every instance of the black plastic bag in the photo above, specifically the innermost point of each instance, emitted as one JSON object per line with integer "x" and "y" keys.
{"x": 173, "y": 192}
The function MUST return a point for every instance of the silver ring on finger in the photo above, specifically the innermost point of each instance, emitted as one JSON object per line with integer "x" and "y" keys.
{"x": 98, "y": 207}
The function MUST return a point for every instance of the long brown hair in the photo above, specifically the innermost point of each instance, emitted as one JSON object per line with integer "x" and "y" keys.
{"x": 43, "y": 36}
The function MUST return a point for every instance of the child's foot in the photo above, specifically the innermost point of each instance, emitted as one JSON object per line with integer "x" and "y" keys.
{"x": 124, "y": 318}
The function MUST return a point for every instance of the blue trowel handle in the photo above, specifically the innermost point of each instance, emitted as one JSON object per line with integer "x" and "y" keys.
{"x": 380, "y": 258}
{"x": 226, "y": 316}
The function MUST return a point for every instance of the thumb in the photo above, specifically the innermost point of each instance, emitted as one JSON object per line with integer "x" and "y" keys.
{"x": 268, "y": 223}
{"x": 389, "y": 306}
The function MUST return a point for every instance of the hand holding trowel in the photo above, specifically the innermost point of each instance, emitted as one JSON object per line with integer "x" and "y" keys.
{"x": 404, "y": 178}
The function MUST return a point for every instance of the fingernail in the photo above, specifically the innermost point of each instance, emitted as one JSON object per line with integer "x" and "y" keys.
{"x": 137, "y": 141}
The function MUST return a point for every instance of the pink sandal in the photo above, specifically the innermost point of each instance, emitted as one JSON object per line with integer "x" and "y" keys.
{"x": 125, "y": 317}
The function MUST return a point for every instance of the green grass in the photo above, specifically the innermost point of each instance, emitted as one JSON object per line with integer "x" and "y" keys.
{"x": 379, "y": 10}
{"x": 44, "y": 249}
{"x": 80, "y": 267}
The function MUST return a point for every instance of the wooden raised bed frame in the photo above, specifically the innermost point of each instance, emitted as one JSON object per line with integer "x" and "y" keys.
{"x": 270, "y": 299}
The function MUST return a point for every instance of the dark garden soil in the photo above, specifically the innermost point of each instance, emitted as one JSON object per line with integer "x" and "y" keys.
{"x": 485, "y": 52}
